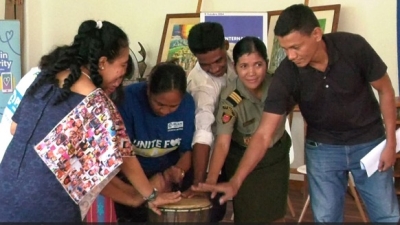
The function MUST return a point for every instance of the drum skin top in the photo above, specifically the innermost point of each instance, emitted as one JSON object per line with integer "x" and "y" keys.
{"x": 188, "y": 203}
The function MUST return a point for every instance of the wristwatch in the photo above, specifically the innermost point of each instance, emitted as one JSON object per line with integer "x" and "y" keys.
{"x": 152, "y": 196}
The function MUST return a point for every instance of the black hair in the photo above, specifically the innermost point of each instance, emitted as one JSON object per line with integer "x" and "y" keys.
{"x": 50, "y": 59}
{"x": 205, "y": 37}
{"x": 118, "y": 95}
{"x": 249, "y": 45}
{"x": 297, "y": 17}
{"x": 165, "y": 77}
{"x": 90, "y": 43}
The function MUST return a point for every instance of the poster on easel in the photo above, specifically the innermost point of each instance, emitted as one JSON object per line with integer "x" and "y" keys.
{"x": 10, "y": 61}
{"x": 239, "y": 24}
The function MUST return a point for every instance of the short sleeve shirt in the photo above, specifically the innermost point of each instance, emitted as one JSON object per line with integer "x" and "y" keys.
{"x": 158, "y": 140}
{"x": 239, "y": 112}
{"x": 338, "y": 104}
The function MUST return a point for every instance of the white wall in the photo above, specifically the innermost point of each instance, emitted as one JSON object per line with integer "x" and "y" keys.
{"x": 54, "y": 22}
{"x": 50, "y": 22}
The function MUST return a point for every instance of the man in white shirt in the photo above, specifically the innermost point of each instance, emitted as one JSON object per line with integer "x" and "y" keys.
{"x": 214, "y": 68}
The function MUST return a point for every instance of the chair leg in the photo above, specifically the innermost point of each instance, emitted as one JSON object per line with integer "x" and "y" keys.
{"x": 289, "y": 203}
{"x": 356, "y": 198}
{"x": 304, "y": 209}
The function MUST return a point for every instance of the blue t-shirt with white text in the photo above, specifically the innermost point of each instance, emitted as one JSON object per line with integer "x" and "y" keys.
{"x": 158, "y": 140}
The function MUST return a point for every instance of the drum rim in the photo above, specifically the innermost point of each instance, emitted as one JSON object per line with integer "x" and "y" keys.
{"x": 186, "y": 210}
{"x": 188, "y": 204}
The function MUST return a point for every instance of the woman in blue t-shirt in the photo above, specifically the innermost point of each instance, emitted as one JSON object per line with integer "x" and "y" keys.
{"x": 159, "y": 118}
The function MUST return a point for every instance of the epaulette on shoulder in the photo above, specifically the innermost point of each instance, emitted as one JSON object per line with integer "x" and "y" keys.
{"x": 234, "y": 98}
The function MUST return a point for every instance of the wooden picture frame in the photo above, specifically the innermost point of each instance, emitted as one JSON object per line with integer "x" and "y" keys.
{"x": 328, "y": 16}
{"x": 173, "y": 46}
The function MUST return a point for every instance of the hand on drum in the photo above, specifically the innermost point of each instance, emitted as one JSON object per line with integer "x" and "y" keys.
{"x": 174, "y": 175}
{"x": 162, "y": 199}
{"x": 229, "y": 189}
{"x": 159, "y": 182}
{"x": 189, "y": 193}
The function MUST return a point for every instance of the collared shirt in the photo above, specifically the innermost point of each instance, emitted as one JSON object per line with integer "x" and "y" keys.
{"x": 205, "y": 90}
{"x": 338, "y": 104}
{"x": 240, "y": 112}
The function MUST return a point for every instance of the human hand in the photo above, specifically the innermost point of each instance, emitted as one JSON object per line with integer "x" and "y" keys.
{"x": 189, "y": 193}
{"x": 199, "y": 192}
{"x": 229, "y": 189}
{"x": 158, "y": 181}
{"x": 387, "y": 159}
{"x": 174, "y": 175}
{"x": 163, "y": 199}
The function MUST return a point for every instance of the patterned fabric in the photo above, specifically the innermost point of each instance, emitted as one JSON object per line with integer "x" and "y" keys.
{"x": 102, "y": 211}
{"x": 84, "y": 150}
{"x": 29, "y": 190}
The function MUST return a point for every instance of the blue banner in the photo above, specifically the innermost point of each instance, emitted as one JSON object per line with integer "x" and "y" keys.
{"x": 10, "y": 60}
{"x": 238, "y": 25}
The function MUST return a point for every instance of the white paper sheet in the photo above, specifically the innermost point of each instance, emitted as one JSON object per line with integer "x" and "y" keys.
{"x": 370, "y": 162}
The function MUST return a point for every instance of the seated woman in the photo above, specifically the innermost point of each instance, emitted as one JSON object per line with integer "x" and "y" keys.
{"x": 262, "y": 196}
{"x": 159, "y": 119}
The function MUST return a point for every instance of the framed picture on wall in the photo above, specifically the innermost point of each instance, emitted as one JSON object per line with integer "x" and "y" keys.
{"x": 328, "y": 18}
{"x": 174, "y": 45}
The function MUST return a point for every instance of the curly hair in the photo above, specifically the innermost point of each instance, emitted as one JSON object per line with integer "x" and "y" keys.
{"x": 90, "y": 43}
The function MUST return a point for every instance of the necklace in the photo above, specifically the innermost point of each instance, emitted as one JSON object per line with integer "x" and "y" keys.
{"x": 86, "y": 75}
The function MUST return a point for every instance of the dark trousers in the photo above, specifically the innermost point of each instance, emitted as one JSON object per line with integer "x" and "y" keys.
{"x": 140, "y": 214}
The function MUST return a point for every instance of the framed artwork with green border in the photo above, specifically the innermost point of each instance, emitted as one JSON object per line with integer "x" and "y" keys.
{"x": 328, "y": 17}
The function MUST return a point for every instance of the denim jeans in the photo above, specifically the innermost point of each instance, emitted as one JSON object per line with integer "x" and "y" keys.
{"x": 327, "y": 172}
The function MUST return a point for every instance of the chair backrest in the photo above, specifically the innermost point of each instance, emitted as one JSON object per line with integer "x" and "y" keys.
{"x": 288, "y": 128}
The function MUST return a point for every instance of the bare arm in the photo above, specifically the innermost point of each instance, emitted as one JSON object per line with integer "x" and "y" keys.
{"x": 134, "y": 172}
{"x": 218, "y": 157}
{"x": 185, "y": 161}
{"x": 126, "y": 194}
{"x": 258, "y": 146}
{"x": 388, "y": 109}
{"x": 200, "y": 156}
{"x": 176, "y": 173}
{"x": 205, "y": 99}
{"x": 122, "y": 193}
{"x": 13, "y": 127}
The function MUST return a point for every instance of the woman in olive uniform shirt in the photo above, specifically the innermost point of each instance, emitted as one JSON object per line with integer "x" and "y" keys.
{"x": 262, "y": 197}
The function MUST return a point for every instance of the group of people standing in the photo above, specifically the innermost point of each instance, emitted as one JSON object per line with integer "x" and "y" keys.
{"x": 221, "y": 129}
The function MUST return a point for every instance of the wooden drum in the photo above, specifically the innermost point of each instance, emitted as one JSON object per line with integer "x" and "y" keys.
{"x": 196, "y": 209}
